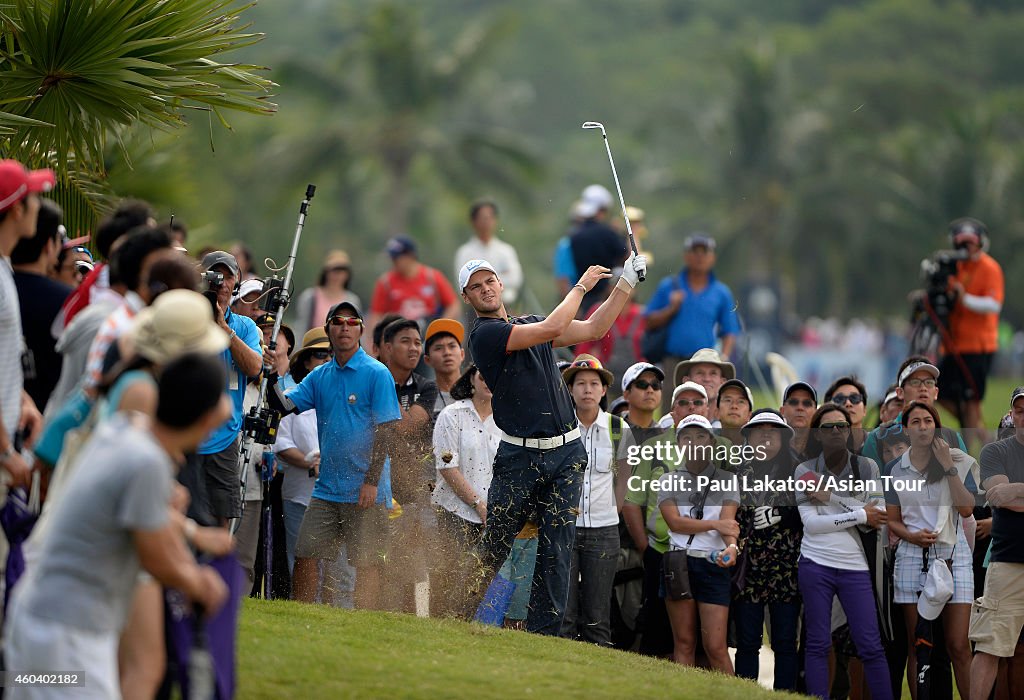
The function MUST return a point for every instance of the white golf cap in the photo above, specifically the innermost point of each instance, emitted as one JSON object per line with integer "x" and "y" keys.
{"x": 247, "y": 287}
{"x": 694, "y": 421}
{"x": 938, "y": 589}
{"x": 469, "y": 268}
{"x": 634, "y": 371}
{"x": 917, "y": 367}
{"x": 689, "y": 386}
{"x": 593, "y": 199}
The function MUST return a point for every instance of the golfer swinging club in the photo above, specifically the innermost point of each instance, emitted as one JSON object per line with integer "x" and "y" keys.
{"x": 541, "y": 460}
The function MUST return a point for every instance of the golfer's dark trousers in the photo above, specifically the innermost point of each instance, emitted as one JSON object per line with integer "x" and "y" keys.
{"x": 547, "y": 483}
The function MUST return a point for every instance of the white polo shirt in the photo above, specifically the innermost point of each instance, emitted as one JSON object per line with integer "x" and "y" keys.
{"x": 925, "y": 506}
{"x": 11, "y": 346}
{"x": 464, "y": 441}
{"x": 597, "y": 501}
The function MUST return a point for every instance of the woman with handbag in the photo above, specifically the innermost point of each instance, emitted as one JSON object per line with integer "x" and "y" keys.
{"x": 839, "y": 492}
{"x": 699, "y": 501}
{"x": 765, "y": 577}
{"x": 926, "y": 500}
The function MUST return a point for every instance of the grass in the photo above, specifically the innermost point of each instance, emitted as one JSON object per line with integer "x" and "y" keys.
{"x": 293, "y": 650}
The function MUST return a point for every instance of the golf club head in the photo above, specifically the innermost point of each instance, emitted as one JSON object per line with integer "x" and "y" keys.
{"x": 594, "y": 125}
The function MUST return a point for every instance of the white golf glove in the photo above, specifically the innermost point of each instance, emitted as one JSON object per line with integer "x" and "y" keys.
{"x": 766, "y": 516}
{"x": 635, "y": 266}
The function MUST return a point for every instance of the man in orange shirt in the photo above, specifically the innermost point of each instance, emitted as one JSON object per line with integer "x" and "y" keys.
{"x": 973, "y": 324}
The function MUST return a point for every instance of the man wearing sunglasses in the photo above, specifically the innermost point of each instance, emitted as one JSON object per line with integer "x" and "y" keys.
{"x": 355, "y": 401}
{"x": 541, "y": 458}
{"x": 799, "y": 402}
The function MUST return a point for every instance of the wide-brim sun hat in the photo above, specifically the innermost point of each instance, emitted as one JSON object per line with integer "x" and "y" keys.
{"x": 704, "y": 356}
{"x": 179, "y": 322}
{"x": 314, "y": 339}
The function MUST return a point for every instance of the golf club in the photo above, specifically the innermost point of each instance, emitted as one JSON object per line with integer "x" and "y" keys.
{"x": 615, "y": 176}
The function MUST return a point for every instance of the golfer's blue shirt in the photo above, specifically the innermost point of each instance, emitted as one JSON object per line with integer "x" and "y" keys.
{"x": 700, "y": 315}
{"x": 222, "y": 438}
{"x": 350, "y": 402}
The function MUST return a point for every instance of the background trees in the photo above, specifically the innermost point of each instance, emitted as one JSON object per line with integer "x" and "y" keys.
{"x": 825, "y": 143}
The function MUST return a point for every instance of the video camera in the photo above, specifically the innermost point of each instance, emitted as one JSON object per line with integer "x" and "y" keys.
{"x": 935, "y": 272}
{"x": 932, "y": 306}
{"x": 210, "y": 282}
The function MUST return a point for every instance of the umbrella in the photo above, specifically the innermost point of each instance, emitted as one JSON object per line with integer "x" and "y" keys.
{"x": 936, "y": 589}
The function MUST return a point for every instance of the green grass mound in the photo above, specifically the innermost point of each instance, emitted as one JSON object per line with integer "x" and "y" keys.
{"x": 289, "y": 650}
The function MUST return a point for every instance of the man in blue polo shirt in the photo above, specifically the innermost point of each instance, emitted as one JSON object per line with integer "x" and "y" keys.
{"x": 212, "y": 475}
{"x": 541, "y": 460}
{"x": 354, "y": 397}
{"x": 697, "y": 308}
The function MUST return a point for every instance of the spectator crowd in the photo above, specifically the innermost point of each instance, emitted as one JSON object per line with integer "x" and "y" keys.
{"x": 413, "y": 468}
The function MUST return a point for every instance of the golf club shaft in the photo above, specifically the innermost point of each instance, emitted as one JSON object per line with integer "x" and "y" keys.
{"x": 622, "y": 201}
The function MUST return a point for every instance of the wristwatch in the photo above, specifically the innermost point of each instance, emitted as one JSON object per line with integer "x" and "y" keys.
{"x": 475, "y": 503}
{"x": 951, "y": 471}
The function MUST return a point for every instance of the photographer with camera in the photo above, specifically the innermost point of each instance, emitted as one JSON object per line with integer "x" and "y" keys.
{"x": 971, "y": 342}
{"x": 212, "y": 474}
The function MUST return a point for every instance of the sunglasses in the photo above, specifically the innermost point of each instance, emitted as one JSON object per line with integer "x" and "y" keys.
{"x": 918, "y": 383}
{"x": 837, "y": 427}
{"x": 691, "y": 402}
{"x": 345, "y": 321}
{"x": 840, "y": 399}
{"x": 320, "y": 354}
{"x": 806, "y": 403}
{"x": 337, "y": 269}
{"x": 81, "y": 249}
{"x": 644, "y": 385}
{"x": 590, "y": 364}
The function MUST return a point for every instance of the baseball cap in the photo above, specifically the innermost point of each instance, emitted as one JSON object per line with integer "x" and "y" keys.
{"x": 400, "y": 245}
{"x": 917, "y": 367}
{"x": 689, "y": 386}
{"x": 1017, "y": 393}
{"x": 593, "y": 199}
{"x": 178, "y": 322}
{"x": 269, "y": 319}
{"x": 694, "y": 421}
{"x": 444, "y": 325}
{"x": 699, "y": 239}
{"x": 247, "y": 287}
{"x": 220, "y": 257}
{"x": 469, "y": 268}
{"x": 938, "y": 589}
{"x": 892, "y": 396}
{"x": 738, "y": 384}
{"x": 800, "y": 385}
{"x": 634, "y": 371}
{"x": 342, "y": 305}
{"x": 16, "y": 182}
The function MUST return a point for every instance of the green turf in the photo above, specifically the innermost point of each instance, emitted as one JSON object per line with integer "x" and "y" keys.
{"x": 312, "y": 651}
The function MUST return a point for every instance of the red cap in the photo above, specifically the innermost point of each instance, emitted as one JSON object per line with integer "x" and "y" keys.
{"x": 16, "y": 182}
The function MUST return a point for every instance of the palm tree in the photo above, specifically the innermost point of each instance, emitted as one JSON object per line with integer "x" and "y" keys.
{"x": 77, "y": 74}
{"x": 395, "y": 105}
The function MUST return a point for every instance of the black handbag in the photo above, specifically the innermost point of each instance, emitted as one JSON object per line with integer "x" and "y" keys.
{"x": 675, "y": 570}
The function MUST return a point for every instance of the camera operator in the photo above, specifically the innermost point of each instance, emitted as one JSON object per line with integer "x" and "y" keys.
{"x": 977, "y": 289}
{"x": 212, "y": 474}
